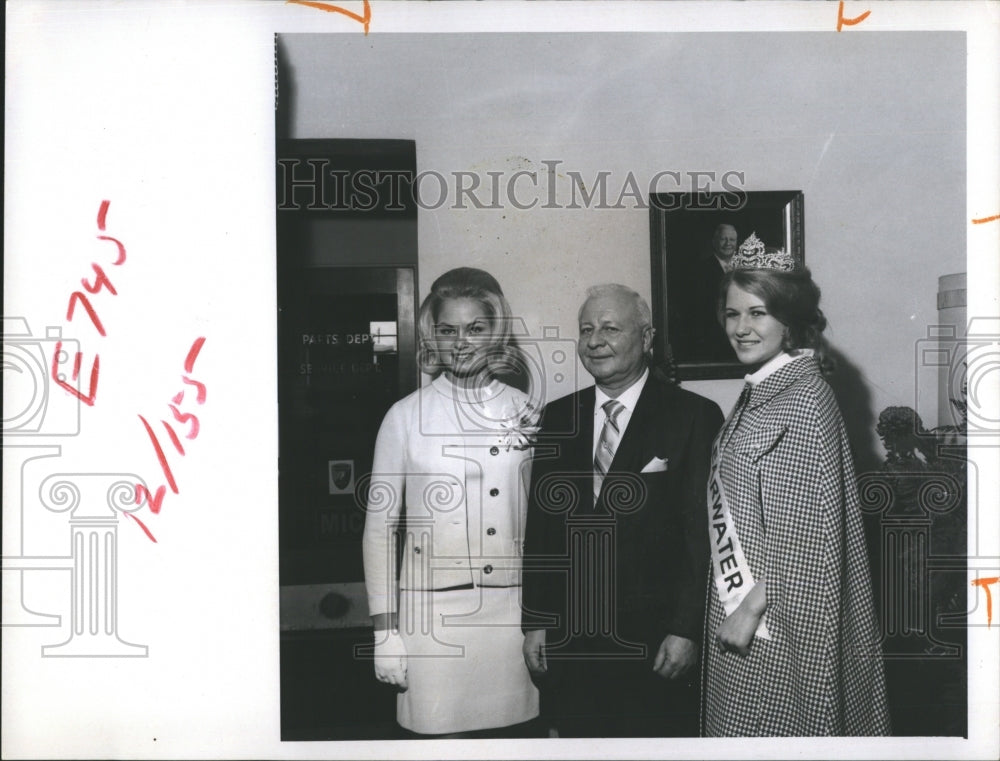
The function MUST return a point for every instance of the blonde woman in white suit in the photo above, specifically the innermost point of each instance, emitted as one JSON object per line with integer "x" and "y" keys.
{"x": 454, "y": 459}
{"x": 792, "y": 641}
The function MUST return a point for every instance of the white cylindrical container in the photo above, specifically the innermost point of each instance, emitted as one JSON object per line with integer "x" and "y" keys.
{"x": 951, "y": 303}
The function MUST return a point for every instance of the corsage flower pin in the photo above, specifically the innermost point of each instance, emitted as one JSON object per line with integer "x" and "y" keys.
{"x": 520, "y": 428}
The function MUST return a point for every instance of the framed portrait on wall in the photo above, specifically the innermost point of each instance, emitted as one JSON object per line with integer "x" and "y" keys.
{"x": 693, "y": 237}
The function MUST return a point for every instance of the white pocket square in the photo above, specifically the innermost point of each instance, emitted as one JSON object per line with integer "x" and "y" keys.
{"x": 656, "y": 465}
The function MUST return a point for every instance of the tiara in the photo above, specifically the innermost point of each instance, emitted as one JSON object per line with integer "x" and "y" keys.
{"x": 752, "y": 255}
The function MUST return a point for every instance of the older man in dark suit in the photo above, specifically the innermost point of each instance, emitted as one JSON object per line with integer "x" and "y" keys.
{"x": 616, "y": 550}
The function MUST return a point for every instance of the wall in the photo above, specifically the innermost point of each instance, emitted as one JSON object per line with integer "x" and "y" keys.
{"x": 871, "y": 127}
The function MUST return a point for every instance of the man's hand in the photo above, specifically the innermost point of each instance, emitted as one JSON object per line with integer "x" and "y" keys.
{"x": 533, "y": 650}
{"x": 676, "y": 656}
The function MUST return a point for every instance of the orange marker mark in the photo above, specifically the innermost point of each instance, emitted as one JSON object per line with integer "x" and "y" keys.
{"x": 985, "y": 584}
{"x": 365, "y": 18}
{"x": 842, "y": 22}
{"x": 983, "y": 220}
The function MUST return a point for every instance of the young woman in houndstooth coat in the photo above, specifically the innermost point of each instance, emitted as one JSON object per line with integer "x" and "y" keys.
{"x": 792, "y": 641}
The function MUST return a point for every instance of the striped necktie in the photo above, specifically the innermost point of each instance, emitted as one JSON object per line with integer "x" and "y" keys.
{"x": 607, "y": 444}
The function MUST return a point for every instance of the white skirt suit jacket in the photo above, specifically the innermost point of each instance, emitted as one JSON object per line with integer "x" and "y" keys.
{"x": 455, "y": 460}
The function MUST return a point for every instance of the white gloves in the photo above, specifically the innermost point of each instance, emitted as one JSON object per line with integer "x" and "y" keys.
{"x": 390, "y": 658}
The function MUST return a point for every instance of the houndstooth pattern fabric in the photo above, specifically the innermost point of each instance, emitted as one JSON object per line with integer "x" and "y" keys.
{"x": 789, "y": 478}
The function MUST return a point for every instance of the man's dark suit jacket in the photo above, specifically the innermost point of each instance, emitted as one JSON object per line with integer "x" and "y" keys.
{"x": 609, "y": 581}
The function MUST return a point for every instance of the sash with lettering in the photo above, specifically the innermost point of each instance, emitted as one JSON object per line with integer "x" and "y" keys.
{"x": 730, "y": 570}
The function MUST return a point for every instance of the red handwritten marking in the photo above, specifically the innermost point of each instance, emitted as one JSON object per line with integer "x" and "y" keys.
{"x": 101, "y": 281}
{"x": 842, "y": 22}
{"x": 95, "y": 372}
{"x": 199, "y": 386}
{"x": 78, "y": 296}
{"x": 173, "y": 436}
{"x": 121, "y": 249}
{"x": 985, "y": 584}
{"x": 102, "y": 214}
{"x": 141, "y": 524}
{"x": 160, "y": 456}
{"x": 184, "y": 417}
{"x": 193, "y": 354}
{"x": 365, "y": 18}
{"x": 984, "y": 220}
{"x": 155, "y": 502}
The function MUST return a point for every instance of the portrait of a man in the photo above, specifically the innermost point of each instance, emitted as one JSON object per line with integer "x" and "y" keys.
{"x": 703, "y": 339}
{"x": 724, "y": 241}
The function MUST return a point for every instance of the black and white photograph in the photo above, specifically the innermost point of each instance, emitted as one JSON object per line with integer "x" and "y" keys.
{"x": 501, "y": 379}
{"x": 676, "y": 544}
